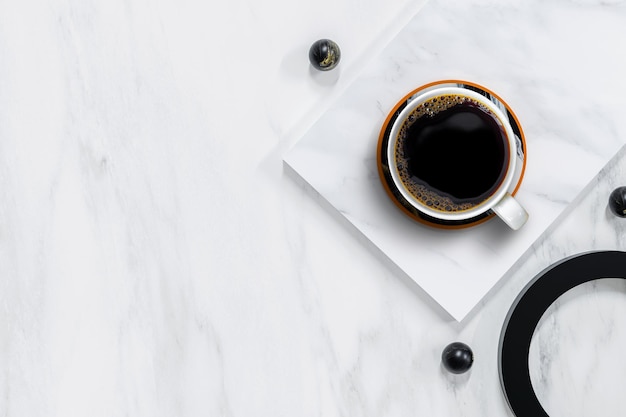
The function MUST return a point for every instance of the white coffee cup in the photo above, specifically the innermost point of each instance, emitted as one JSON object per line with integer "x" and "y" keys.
{"x": 499, "y": 200}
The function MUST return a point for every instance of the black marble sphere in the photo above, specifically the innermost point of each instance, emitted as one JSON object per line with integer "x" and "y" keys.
{"x": 324, "y": 54}
{"x": 457, "y": 358}
{"x": 617, "y": 202}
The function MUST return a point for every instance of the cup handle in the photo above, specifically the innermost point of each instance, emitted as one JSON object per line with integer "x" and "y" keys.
{"x": 511, "y": 212}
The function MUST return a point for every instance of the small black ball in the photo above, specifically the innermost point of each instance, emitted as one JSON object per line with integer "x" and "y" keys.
{"x": 324, "y": 54}
{"x": 457, "y": 358}
{"x": 617, "y": 201}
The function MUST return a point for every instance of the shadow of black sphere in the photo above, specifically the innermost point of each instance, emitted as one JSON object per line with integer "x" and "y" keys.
{"x": 295, "y": 65}
{"x": 325, "y": 78}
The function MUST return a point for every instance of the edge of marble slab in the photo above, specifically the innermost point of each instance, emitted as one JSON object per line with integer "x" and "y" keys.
{"x": 417, "y": 289}
{"x": 368, "y": 244}
{"x": 565, "y": 213}
{"x": 398, "y": 272}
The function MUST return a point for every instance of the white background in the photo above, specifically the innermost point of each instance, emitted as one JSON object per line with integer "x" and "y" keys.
{"x": 154, "y": 258}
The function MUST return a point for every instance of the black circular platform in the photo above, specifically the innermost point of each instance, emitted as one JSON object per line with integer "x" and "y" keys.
{"x": 528, "y": 309}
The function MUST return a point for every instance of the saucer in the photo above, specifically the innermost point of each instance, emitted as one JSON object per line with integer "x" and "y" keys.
{"x": 383, "y": 163}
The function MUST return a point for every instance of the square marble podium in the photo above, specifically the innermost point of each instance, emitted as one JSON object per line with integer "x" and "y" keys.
{"x": 562, "y": 82}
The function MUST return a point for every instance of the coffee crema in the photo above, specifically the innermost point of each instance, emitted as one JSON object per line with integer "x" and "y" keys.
{"x": 451, "y": 153}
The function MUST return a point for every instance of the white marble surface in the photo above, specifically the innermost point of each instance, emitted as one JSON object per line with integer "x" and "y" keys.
{"x": 503, "y": 48}
{"x": 157, "y": 261}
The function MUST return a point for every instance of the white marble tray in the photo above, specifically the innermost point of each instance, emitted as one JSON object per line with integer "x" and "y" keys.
{"x": 566, "y": 103}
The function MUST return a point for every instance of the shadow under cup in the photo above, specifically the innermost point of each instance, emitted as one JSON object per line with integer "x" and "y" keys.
{"x": 451, "y": 155}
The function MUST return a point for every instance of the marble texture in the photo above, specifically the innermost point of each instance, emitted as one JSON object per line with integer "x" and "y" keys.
{"x": 151, "y": 254}
{"x": 155, "y": 258}
{"x": 564, "y": 85}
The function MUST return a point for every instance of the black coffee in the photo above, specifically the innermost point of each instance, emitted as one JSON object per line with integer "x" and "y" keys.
{"x": 452, "y": 153}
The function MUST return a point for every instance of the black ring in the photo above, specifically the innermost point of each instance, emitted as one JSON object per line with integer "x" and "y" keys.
{"x": 528, "y": 309}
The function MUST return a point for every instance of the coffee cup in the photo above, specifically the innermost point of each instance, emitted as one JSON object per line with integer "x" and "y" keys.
{"x": 452, "y": 157}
